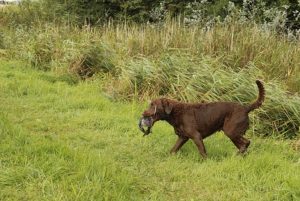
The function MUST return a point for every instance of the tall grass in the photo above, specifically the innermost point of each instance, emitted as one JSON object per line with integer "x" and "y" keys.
{"x": 234, "y": 45}
{"x": 191, "y": 63}
{"x": 203, "y": 79}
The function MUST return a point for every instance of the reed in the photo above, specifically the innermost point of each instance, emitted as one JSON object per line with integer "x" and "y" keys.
{"x": 189, "y": 63}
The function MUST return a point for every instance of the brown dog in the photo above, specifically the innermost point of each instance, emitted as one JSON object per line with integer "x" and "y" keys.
{"x": 198, "y": 121}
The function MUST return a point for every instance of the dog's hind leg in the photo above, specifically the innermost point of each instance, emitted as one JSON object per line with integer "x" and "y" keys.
{"x": 235, "y": 128}
{"x": 241, "y": 143}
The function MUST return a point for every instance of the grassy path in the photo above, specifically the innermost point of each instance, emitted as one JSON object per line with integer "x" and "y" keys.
{"x": 60, "y": 141}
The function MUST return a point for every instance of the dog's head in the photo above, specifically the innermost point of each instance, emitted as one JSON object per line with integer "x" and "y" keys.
{"x": 158, "y": 109}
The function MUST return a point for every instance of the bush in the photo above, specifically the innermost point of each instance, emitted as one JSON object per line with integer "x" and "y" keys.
{"x": 42, "y": 51}
{"x": 93, "y": 58}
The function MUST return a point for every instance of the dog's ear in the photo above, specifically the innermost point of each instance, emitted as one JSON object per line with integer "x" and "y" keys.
{"x": 167, "y": 106}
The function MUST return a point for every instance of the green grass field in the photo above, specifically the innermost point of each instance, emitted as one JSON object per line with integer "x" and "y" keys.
{"x": 66, "y": 141}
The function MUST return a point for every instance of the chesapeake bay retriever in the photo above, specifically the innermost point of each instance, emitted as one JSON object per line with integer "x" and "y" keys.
{"x": 197, "y": 121}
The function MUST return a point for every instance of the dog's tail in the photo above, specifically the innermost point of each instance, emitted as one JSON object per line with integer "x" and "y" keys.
{"x": 260, "y": 99}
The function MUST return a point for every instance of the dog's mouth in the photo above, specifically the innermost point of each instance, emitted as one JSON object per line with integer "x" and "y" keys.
{"x": 145, "y": 125}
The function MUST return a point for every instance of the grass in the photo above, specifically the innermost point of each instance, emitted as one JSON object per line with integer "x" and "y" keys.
{"x": 63, "y": 140}
{"x": 184, "y": 62}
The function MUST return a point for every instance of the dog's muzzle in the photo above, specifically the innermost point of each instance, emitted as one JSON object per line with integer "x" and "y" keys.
{"x": 145, "y": 122}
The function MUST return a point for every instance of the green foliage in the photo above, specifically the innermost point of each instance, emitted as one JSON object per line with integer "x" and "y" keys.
{"x": 137, "y": 62}
{"x": 30, "y": 13}
{"x": 61, "y": 139}
{"x": 67, "y": 78}
{"x": 204, "y": 79}
{"x": 42, "y": 51}
{"x": 78, "y": 12}
{"x": 98, "y": 12}
{"x": 93, "y": 58}
{"x": 2, "y": 44}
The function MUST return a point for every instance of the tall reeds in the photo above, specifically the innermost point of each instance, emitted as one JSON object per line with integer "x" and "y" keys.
{"x": 191, "y": 63}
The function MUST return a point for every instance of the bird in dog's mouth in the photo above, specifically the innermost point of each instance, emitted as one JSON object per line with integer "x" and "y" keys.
{"x": 145, "y": 125}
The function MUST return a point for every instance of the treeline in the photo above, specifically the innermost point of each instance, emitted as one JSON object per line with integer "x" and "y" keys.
{"x": 97, "y": 12}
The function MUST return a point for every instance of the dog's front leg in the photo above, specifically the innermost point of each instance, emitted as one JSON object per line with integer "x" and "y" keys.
{"x": 180, "y": 141}
{"x": 200, "y": 145}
